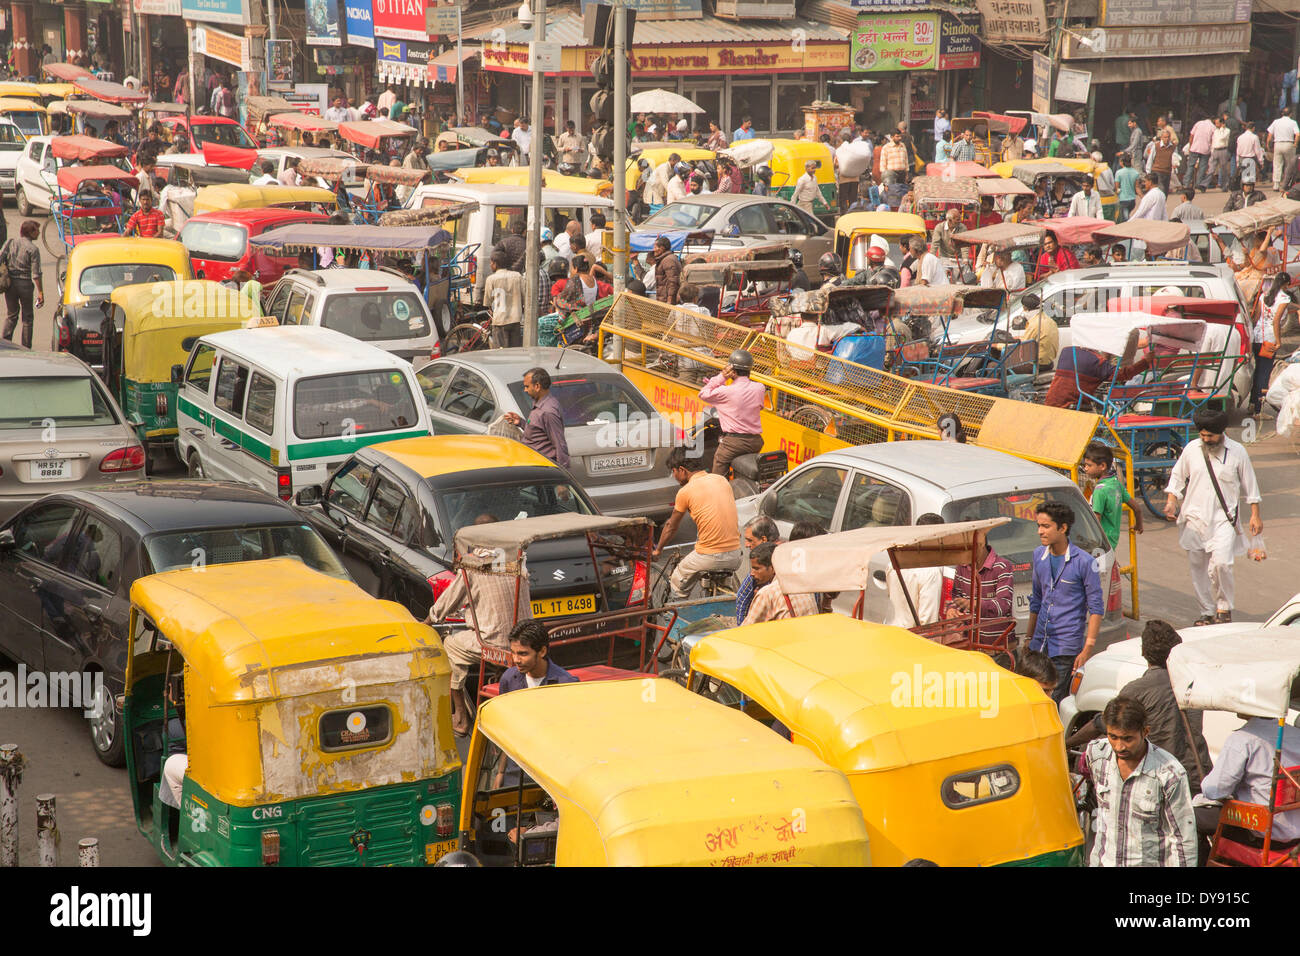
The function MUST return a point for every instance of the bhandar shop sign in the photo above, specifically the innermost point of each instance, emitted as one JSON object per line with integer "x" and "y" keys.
{"x": 1169, "y": 13}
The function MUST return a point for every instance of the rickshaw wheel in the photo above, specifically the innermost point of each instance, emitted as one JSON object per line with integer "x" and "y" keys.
{"x": 674, "y": 674}
{"x": 810, "y": 416}
{"x": 465, "y": 338}
{"x": 50, "y": 239}
{"x": 1151, "y": 480}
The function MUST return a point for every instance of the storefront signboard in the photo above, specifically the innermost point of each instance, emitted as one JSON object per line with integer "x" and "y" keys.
{"x": 361, "y": 31}
{"x": 1014, "y": 21}
{"x": 702, "y": 59}
{"x": 323, "y": 23}
{"x": 885, "y": 43}
{"x": 1041, "y": 96}
{"x": 1072, "y": 85}
{"x": 1169, "y": 13}
{"x": 216, "y": 11}
{"x": 400, "y": 19}
{"x": 157, "y": 8}
{"x": 279, "y": 63}
{"x": 1193, "y": 40}
{"x": 225, "y": 47}
{"x": 959, "y": 42}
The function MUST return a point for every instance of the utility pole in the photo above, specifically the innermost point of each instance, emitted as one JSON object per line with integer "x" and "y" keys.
{"x": 620, "y": 146}
{"x": 533, "y": 258}
{"x": 460, "y": 75}
{"x": 272, "y": 23}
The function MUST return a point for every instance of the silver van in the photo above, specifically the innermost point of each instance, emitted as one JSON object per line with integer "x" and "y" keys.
{"x": 894, "y": 483}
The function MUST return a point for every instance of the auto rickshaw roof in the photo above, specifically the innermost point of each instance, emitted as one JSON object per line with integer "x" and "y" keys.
{"x": 1258, "y": 217}
{"x": 85, "y": 148}
{"x": 245, "y": 196}
{"x": 98, "y": 109}
{"x": 368, "y": 133}
{"x": 243, "y": 628}
{"x": 981, "y": 126}
{"x": 1003, "y": 236}
{"x": 67, "y": 72}
{"x": 72, "y": 178}
{"x": 21, "y": 90}
{"x": 59, "y": 90}
{"x": 1030, "y": 171}
{"x": 1253, "y": 674}
{"x": 110, "y": 92}
{"x": 961, "y": 167}
{"x": 520, "y": 175}
{"x": 885, "y": 223}
{"x": 10, "y": 105}
{"x": 1073, "y": 230}
{"x": 433, "y": 212}
{"x": 302, "y": 236}
{"x": 161, "y": 317}
{"x": 1159, "y": 237}
{"x": 833, "y": 681}
{"x": 513, "y": 538}
{"x": 656, "y": 769}
{"x": 400, "y": 175}
{"x": 997, "y": 186}
{"x": 302, "y": 121}
{"x": 435, "y": 455}
{"x": 116, "y": 249}
{"x": 946, "y": 188}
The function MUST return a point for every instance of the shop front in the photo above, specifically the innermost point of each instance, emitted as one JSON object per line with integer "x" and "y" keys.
{"x": 160, "y": 33}
{"x": 404, "y": 65}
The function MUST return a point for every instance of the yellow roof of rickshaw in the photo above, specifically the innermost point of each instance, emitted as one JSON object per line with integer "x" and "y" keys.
{"x": 657, "y": 154}
{"x": 98, "y": 252}
{"x": 245, "y": 196}
{"x": 651, "y": 772}
{"x": 61, "y": 90}
{"x": 242, "y": 628}
{"x": 519, "y": 175}
{"x": 1005, "y": 169}
{"x": 885, "y": 223}
{"x": 436, "y": 455}
{"x": 159, "y": 316}
{"x": 12, "y": 105}
{"x": 835, "y": 681}
{"x": 26, "y": 91}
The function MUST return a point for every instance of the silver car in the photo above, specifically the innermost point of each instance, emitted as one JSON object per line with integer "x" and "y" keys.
{"x": 59, "y": 429}
{"x": 894, "y": 483}
{"x": 618, "y": 443}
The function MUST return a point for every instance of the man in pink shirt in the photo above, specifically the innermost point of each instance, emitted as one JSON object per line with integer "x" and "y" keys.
{"x": 739, "y": 403}
{"x": 1198, "y": 153}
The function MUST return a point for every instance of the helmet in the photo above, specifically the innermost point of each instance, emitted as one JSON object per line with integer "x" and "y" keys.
{"x": 741, "y": 361}
{"x": 547, "y": 235}
{"x": 764, "y": 173}
{"x": 796, "y": 258}
{"x": 493, "y": 152}
{"x": 566, "y": 169}
{"x": 557, "y": 268}
{"x": 830, "y": 263}
{"x": 683, "y": 169}
{"x": 643, "y": 165}
{"x": 875, "y": 254}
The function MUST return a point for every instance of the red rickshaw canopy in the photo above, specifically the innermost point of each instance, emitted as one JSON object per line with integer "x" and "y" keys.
{"x": 303, "y": 121}
{"x": 368, "y": 133}
{"x": 110, "y": 92}
{"x": 84, "y": 148}
{"x": 72, "y": 178}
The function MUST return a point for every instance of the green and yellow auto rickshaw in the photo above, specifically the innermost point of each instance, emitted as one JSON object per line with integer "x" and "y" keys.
{"x": 278, "y": 716}
{"x": 150, "y": 327}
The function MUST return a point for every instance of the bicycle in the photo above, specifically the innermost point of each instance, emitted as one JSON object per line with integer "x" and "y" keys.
{"x": 711, "y": 601}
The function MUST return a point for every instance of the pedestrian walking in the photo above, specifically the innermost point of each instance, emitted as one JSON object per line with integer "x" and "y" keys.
{"x": 893, "y": 160}
{"x": 1220, "y": 157}
{"x": 1200, "y": 143}
{"x": 1144, "y": 802}
{"x": 1065, "y": 603}
{"x": 1267, "y": 333}
{"x": 1126, "y": 186}
{"x": 963, "y": 149}
{"x": 1154, "y": 204}
{"x": 1250, "y": 154}
{"x": 667, "y": 270}
{"x": 806, "y": 191}
{"x": 1162, "y": 159}
{"x": 503, "y": 294}
{"x": 1204, "y": 494}
{"x": 1282, "y": 134}
{"x": 25, "y": 281}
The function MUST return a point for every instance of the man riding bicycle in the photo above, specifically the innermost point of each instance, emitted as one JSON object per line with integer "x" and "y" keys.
{"x": 708, "y": 500}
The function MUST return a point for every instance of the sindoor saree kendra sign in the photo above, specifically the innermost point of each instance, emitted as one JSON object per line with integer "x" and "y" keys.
{"x": 1014, "y": 21}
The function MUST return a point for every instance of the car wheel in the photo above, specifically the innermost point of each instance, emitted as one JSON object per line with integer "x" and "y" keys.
{"x": 194, "y": 466}
{"x": 105, "y": 725}
{"x": 20, "y": 200}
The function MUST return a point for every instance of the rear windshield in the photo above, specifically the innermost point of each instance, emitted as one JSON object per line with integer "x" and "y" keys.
{"x": 355, "y": 403}
{"x": 461, "y": 507}
{"x": 222, "y": 133}
{"x": 184, "y": 549}
{"x": 102, "y": 280}
{"x": 42, "y": 402}
{"x": 1017, "y": 539}
{"x": 27, "y": 121}
{"x": 214, "y": 240}
{"x": 585, "y": 398}
{"x": 680, "y": 215}
{"x": 376, "y": 316}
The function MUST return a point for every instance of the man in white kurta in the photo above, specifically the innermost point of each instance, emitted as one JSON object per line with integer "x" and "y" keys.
{"x": 1210, "y": 534}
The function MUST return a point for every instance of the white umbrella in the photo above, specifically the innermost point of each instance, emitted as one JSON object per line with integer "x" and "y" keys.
{"x": 662, "y": 101}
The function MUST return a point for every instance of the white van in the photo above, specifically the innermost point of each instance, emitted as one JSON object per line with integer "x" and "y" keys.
{"x": 281, "y": 408}
{"x": 498, "y": 206}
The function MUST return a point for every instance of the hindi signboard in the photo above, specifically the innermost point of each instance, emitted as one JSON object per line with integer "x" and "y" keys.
{"x": 1072, "y": 85}
{"x": 1193, "y": 40}
{"x": 1041, "y": 99}
{"x": 888, "y": 42}
{"x": 1014, "y": 21}
{"x": 1170, "y": 13}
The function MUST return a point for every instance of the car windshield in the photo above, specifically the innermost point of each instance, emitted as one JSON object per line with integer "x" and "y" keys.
{"x": 465, "y": 506}
{"x": 72, "y": 400}
{"x": 28, "y": 121}
{"x": 184, "y": 549}
{"x": 585, "y": 398}
{"x": 679, "y": 215}
{"x": 376, "y": 316}
{"x": 222, "y": 133}
{"x": 359, "y": 403}
{"x": 214, "y": 240}
{"x": 102, "y": 280}
{"x": 1017, "y": 539}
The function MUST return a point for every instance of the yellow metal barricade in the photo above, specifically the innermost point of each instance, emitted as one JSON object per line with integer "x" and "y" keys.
{"x": 817, "y": 402}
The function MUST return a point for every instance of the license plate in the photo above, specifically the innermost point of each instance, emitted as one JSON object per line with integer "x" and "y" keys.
{"x": 563, "y": 606}
{"x": 1022, "y": 600}
{"x": 627, "y": 461}
{"x": 52, "y": 469}
{"x": 433, "y": 852}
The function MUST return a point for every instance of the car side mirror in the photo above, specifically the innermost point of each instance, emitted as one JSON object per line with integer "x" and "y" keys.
{"x": 7, "y": 542}
{"x": 311, "y": 495}
{"x": 178, "y": 374}
{"x": 767, "y": 505}
{"x": 187, "y": 343}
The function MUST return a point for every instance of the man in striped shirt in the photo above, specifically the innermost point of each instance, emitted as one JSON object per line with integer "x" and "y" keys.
{"x": 893, "y": 159}
{"x": 997, "y": 594}
{"x": 146, "y": 222}
{"x": 1144, "y": 804}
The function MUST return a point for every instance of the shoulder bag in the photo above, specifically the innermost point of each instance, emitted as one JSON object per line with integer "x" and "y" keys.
{"x": 1214, "y": 480}
{"x": 5, "y": 279}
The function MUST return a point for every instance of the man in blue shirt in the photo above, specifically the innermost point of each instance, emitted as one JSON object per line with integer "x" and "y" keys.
{"x": 758, "y": 530}
{"x": 530, "y": 647}
{"x": 744, "y": 131}
{"x": 1066, "y": 605}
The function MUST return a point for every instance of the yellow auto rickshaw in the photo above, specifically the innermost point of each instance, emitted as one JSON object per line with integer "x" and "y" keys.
{"x": 28, "y": 115}
{"x": 1100, "y": 173}
{"x": 853, "y": 232}
{"x": 15, "y": 89}
{"x": 314, "y": 720}
{"x": 657, "y": 154}
{"x": 48, "y": 93}
{"x": 951, "y": 758}
{"x": 518, "y": 176}
{"x": 645, "y": 773}
{"x": 787, "y": 165}
{"x": 242, "y": 196}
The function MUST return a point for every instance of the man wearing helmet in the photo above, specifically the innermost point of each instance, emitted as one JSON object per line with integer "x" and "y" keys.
{"x": 762, "y": 181}
{"x": 738, "y": 400}
{"x": 879, "y": 270}
{"x": 493, "y": 157}
{"x": 831, "y": 267}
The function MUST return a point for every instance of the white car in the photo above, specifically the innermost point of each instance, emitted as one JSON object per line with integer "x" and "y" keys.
{"x": 12, "y": 141}
{"x": 1106, "y": 673}
{"x": 34, "y": 174}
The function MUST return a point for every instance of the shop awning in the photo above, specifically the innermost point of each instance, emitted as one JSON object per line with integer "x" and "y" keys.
{"x": 1164, "y": 68}
{"x": 443, "y": 67}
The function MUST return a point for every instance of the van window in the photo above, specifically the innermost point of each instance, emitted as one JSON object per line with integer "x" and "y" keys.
{"x": 1017, "y": 539}
{"x": 261, "y": 403}
{"x": 348, "y": 488}
{"x": 376, "y": 316}
{"x": 232, "y": 379}
{"x": 199, "y": 370}
{"x": 360, "y": 403}
{"x": 293, "y": 311}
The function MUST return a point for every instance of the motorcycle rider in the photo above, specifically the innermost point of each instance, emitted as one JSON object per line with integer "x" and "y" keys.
{"x": 831, "y": 267}
{"x": 879, "y": 270}
{"x": 739, "y": 404}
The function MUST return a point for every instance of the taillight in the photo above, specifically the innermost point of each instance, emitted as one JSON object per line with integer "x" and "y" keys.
{"x": 1115, "y": 599}
{"x": 639, "y": 577}
{"x": 446, "y": 819}
{"x": 128, "y": 458}
{"x": 270, "y": 847}
{"x": 65, "y": 337}
{"x": 437, "y": 351}
{"x": 284, "y": 484}
{"x": 1075, "y": 681}
{"x": 160, "y": 404}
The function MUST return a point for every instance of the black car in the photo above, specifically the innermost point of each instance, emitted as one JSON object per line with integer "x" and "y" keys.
{"x": 392, "y": 517}
{"x": 67, "y": 563}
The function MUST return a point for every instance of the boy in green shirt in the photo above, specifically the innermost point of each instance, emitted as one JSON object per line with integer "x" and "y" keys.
{"x": 1109, "y": 496}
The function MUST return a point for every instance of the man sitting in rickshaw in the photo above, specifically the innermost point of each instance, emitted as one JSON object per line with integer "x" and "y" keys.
{"x": 771, "y": 602}
{"x": 1003, "y": 272}
{"x": 1244, "y": 772}
{"x": 491, "y": 604}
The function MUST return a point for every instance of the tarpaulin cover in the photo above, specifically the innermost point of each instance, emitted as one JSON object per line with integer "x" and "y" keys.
{"x": 1003, "y": 236}
{"x": 306, "y": 235}
{"x": 1239, "y": 673}
{"x": 1159, "y": 237}
{"x": 110, "y": 92}
{"x": 233, "y": 157}
{"x": 1073, "y": 230}
{"x": 302, "y": 121}
{"x": 368, "y": 133}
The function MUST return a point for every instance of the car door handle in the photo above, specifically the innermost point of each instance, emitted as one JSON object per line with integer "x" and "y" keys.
{"x": 33, "y": 581}
{"x": 94, "y": 613}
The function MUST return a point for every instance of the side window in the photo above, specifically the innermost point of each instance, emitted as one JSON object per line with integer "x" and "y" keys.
{"x": 470, "y": 396}
{"x": 279, "y": 300}
{"x": 810, "y": 495}
{"x": 752, "y": 220}
{"x": 811, "y": 225}
{"x": 260, "y": 411}
{"x": 875, "y": 504}
{"x": 38, "y": 151}
{"x": 94, "y": 554}
{"x": 347, "y": 491}
{"x": 232, "y": 379}
{"x": 293, "y": 310}
{"x": 43, "y": 532}
{"x": 387, "y": 505}
{"x": 433, "y": 381}
{"x": 1192, "y": 291}
{"x": 198, "y": 372}
{"x": 786, "y": 220}
{"x": 308, "y": 309}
